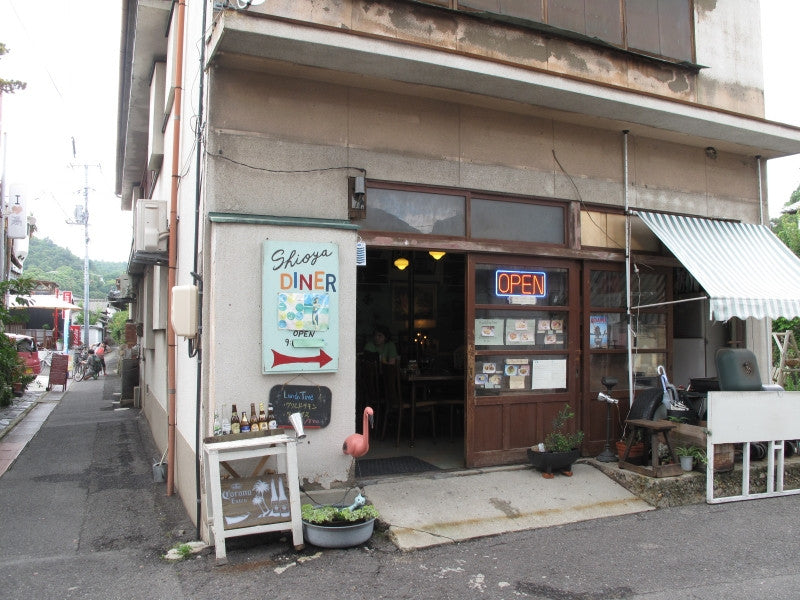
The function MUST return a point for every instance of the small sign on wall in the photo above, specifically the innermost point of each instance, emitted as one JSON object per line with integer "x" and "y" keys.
{"x": 311, "y": 401}
{"x": 300, "y": 307}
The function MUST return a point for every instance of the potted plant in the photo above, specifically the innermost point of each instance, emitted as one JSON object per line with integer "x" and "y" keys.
{"x": 688, "y": 454}
{"x": 636, "y": 452}
{"x": 560, "y": 448}
{"x": 333, "y": 526}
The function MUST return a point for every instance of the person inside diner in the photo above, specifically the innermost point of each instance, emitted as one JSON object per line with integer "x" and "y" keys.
{"x": 382, "y": 346}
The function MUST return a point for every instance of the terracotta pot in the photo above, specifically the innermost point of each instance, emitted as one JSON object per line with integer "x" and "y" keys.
{"x": 636, "y": 453}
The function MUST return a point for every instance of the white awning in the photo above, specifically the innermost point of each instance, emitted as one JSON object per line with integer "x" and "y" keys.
{"x": 44, "y": 301}
{"x": 744, "y": 268}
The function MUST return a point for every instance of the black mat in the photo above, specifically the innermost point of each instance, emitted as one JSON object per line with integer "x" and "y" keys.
{"x": 371, "y": 467}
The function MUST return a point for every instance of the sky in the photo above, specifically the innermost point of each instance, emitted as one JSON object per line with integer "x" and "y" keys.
{"x": 68, "y": 53}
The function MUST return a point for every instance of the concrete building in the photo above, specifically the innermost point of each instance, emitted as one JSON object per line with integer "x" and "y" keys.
{"x": 261, "y": 142}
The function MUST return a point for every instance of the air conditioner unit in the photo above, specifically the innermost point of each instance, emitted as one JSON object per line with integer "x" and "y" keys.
{"x": 124, "y": 285}
{"x": 150, "y": 232}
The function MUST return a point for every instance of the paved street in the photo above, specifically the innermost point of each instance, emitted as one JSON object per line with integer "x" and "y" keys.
{"x": 82, "y": 518}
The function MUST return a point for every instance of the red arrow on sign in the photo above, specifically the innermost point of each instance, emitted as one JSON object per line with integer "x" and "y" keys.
{"x": 282, "y": 359}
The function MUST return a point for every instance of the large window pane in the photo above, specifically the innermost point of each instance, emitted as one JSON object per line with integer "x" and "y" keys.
{"x": 518, "y": 221}
{"x": 607, "y": 289}
{"x": 415, "y": 212}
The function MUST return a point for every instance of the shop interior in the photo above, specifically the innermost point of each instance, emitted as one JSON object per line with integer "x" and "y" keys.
{"x": 417, "y": 297}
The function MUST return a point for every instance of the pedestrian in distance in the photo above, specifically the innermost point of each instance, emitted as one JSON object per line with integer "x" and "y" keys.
{"x": 100, "y": 352}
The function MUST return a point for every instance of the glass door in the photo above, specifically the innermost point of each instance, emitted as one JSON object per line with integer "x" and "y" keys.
{"x": 523, "y": 330}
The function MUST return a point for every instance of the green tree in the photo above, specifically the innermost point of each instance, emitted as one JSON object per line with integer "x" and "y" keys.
{"x": 9, "y": 86}
{"x": 786, "y": 228}
{"x": 11, "y": 367}
{"x": 116, "y": 326}
{"x": 50, "y": 262}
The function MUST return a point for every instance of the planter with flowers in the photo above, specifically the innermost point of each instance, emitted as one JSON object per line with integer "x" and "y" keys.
{"x": 332, "y": 526}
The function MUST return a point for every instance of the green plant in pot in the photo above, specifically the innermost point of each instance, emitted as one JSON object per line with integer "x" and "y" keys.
{"x": 333, "y": 526}
{"x": 687, "y": 455}
{"x": 560, "y": 449}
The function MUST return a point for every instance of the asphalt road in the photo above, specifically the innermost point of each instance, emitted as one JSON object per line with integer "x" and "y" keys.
{"x": 81, "y": 517}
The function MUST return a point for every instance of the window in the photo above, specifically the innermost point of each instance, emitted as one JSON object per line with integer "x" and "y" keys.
{"x": 438, "y": 213}
{"x": 658, "y": 27}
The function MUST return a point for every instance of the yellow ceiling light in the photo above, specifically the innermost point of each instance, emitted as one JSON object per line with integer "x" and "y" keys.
{"x": 401, "y": 263}
{"x": 437, "y": 254}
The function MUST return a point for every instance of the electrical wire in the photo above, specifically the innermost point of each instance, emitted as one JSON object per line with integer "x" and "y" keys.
{"x": 318, "y": 170}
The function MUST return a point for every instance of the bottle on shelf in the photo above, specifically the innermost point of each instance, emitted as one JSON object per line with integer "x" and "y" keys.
{"x": 263, "y": 425}
{"x": 273, "y": 422}
{"x": 235, "y": 423}
{"x": 254, "y": 426}
{"x": 217, "y": 424}
{"x": 244, "y": 425}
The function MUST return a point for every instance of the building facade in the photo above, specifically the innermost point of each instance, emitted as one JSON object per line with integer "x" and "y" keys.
{"x": 264, "y": 145}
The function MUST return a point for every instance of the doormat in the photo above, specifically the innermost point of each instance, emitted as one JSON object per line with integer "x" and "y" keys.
{"x": 371, "y": 467}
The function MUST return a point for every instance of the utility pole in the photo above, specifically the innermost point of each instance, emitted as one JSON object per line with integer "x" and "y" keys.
{"x": 82, "y": 218}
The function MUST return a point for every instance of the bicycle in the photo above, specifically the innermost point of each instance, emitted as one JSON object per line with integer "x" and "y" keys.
{"x": 79, "y": 371}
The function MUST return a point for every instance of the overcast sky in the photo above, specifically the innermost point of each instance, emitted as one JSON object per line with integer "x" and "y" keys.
{"x": 68, "y": 53}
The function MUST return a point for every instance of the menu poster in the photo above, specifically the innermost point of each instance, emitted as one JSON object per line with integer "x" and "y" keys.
{"x": 598, "y": 331}
{"x": 549, "y": 374}
{"x": 521, "y": 332}
{"x": 489, "y": 332}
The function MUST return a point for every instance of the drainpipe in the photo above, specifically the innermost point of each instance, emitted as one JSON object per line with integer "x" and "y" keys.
{"x": 173, "y": 245}
{"x": 627, "y": 264}
{"x": 195, "y": 347}
{"x": 760, "y": 192}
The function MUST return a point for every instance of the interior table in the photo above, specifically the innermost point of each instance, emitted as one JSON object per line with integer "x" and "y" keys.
{"x": 416, "y": 380}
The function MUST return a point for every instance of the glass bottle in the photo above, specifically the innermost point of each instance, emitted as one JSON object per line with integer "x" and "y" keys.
{"x": 235, "y": 424}
{"x": 253, "y": 418}
{"x": 217, "y": 424}
{"x": 244, "y": 425}
{"x": 273, "y": 422}
{"x": 263, "y": 425}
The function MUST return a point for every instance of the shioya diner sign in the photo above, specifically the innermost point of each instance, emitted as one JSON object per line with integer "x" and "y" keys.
{"x": 300, "y": 307}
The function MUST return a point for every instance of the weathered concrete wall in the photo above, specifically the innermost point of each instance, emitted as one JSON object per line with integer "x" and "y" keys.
{"x": 724, "y": 33}
{"x": 275, "y": 122}
{"x": 233, "y": 285}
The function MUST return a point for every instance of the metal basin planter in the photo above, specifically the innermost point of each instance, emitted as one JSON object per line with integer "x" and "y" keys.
{"x": 547, "y": 462}
{"x": 338, "y": 536}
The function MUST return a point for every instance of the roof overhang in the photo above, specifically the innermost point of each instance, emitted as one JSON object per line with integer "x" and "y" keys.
{"x": 143, "y": 41}
{"x": 427, "y": 69}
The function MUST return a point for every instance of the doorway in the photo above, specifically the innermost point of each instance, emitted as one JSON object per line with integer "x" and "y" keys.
{"x": 418, "y": 299}
{"x": 523, "y": 355}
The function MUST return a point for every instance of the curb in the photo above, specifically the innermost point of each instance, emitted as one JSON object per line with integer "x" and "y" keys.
{"x": 8, "y": 428}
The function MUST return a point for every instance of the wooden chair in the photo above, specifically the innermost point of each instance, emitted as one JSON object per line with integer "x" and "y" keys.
{"x": 396, "y": 403}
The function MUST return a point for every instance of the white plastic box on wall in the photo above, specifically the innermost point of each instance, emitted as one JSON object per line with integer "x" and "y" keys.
{"x": 150, "y": 228}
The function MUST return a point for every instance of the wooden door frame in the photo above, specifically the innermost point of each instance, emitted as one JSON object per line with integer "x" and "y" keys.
{"x": 573, "y": 310}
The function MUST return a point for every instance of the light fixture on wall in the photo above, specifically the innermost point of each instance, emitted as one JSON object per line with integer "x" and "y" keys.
{"x": 437, "y": 254}
{"x": 401, "y": 263}
{"x": 357, "y": 197}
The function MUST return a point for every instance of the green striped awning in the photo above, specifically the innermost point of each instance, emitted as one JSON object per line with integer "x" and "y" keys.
{"x": 744, "y": 268}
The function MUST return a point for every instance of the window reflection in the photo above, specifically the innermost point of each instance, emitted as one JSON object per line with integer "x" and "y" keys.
{"x": 415, "y": 212}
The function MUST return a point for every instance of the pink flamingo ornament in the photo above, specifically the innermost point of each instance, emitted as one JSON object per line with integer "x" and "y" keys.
{"x": 357, "y": 445}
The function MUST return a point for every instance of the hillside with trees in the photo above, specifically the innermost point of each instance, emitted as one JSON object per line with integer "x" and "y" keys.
{"x": 51, "y": 262}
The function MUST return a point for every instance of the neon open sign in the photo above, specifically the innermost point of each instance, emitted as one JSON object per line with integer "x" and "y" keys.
{"x": 520, "y": 283}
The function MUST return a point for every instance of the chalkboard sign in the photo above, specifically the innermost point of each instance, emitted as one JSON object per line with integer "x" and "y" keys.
{"x": 312, "y": 401}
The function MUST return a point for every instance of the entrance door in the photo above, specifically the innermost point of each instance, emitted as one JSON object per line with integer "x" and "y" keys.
{"x": 523, "y": 322}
